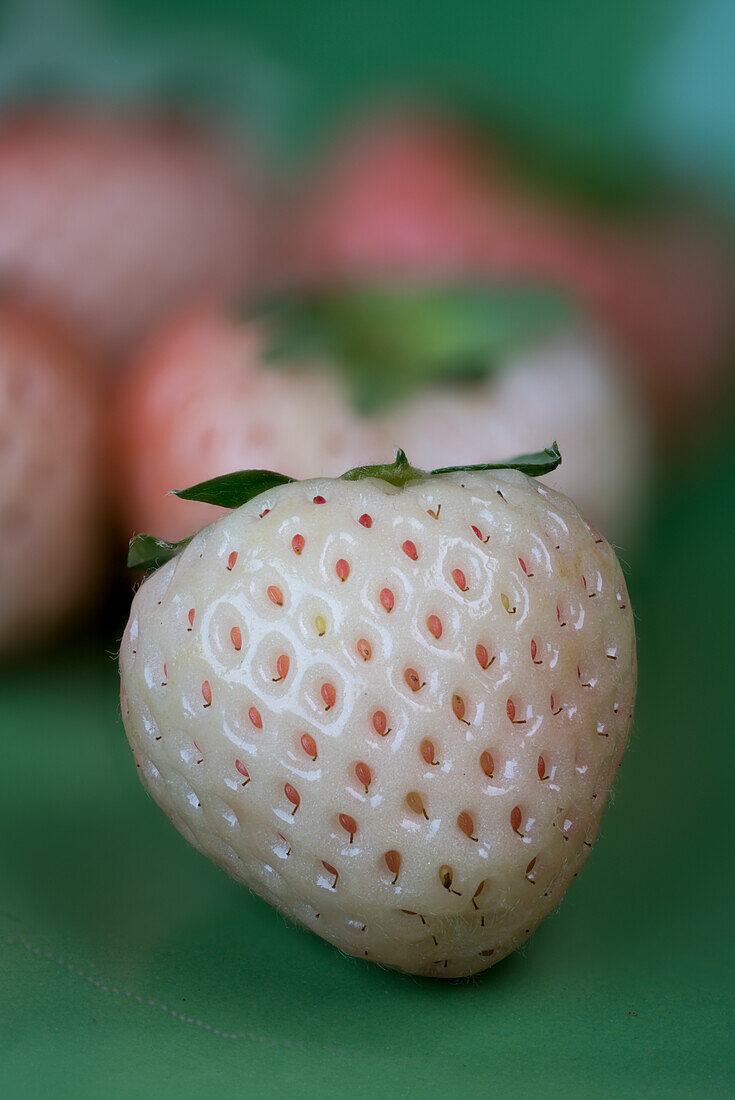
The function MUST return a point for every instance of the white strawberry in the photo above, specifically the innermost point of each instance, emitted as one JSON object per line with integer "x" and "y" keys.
{"x": 392, "y": 706}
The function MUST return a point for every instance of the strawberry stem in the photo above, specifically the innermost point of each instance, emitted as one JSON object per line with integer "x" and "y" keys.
{"x": 399, "y": 472}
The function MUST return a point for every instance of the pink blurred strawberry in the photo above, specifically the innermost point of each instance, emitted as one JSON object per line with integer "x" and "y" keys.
{"x": 110, "y": 220}
{"x": 50, "y": 488}
{"x": 399, "y": 196}
{"x": 199, "y": 400}
{"x": 414, "y": 194}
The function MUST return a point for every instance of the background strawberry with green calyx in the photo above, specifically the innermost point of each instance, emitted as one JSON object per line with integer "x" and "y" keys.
{"x": 324, "y": 380}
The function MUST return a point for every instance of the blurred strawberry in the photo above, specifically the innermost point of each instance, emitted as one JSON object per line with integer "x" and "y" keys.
{"x": 565, "y": 387}
{"x": 453, "y": 371}
{"x": 199, "y": 401}
{"x": 50, "y": 491}
{"x": 411, "y": 194}
{"x": 403, "y": 195}
{"x": 110, "y": 220}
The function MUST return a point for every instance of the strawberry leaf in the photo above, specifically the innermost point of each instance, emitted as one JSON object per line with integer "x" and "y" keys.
{"x": 536, "y": 464}
{"x": 147, "y": 552}
{"x": 390, "y": 340}
{"x": 232, "y": 490}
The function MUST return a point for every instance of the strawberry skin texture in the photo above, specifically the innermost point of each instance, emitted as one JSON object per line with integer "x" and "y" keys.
{"x": 199, "y": 400}
{"x": 394, "y": 714}
{"x": 50, "y": 487}
{"x": 414, "y": 194}
{"x": 111, "y": 220}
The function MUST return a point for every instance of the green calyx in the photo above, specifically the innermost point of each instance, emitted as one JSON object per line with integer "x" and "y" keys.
{"x": 232, "y": 490}
{"x": 387, "y": 341}
{"x": 148, "y": 552}
{"x": 235, "y": 489}
{"x": 400, "y": 471}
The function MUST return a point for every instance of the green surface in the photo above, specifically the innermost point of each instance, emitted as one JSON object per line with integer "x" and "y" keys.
{"x": 107, "y": 915}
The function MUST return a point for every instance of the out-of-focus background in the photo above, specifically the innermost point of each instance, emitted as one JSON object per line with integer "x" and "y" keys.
{"x": 295, "y": 237}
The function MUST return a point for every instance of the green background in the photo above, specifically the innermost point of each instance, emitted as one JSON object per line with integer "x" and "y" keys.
{"x": 112, "y": 929}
